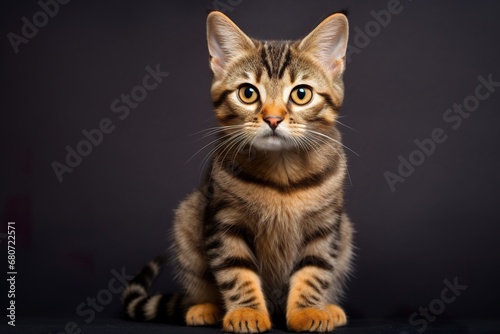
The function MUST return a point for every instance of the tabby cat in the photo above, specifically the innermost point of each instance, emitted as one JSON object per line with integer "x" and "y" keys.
{"x": 266, "y": 232}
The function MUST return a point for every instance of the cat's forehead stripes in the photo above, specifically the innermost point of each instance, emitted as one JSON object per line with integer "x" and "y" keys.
{"x": 276, "y": 57}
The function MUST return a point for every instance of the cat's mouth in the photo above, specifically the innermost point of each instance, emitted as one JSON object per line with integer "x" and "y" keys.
{"x": 275, "y": 134}
{"x": 272, "y": 140}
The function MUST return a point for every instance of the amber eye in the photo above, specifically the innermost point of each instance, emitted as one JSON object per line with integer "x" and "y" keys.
{"x": 248, "y": 94}
{"x": 301, "y": 95}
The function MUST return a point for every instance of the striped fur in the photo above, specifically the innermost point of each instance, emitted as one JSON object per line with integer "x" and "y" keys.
{"x": 265, "y": 234}
{"x": 139, "y": 305}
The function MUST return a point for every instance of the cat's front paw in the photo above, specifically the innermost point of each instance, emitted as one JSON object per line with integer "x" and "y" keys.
{"x": 203, "y": 315}
{"x": 312, "y": 319}
{"x": 339, "y": 317}
{"x": 246, "y": 320}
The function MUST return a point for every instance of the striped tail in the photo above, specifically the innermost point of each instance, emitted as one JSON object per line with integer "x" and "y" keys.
{"x": 141, "y": 306}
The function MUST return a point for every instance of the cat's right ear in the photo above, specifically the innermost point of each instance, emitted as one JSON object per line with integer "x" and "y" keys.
{"x": 225, "y": 41}
{"x": 327, "y": 43}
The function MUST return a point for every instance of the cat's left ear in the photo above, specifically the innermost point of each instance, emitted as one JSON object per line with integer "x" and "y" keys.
{"x": 327, "y": 43}
{"x": 225, "y": 41}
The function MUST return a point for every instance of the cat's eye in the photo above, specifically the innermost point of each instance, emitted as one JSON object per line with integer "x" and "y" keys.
{"x": 248, "y": 94}
{"x": 301, "y": 95}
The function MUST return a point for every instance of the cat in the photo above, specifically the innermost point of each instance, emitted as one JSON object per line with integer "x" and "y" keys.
{"x": 266, "y": 232}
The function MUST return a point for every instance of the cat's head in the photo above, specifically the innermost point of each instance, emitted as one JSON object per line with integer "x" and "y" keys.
{"x": 277, "y": 95}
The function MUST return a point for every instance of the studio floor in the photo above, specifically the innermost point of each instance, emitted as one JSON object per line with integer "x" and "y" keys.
{"x": 121, "y": 326}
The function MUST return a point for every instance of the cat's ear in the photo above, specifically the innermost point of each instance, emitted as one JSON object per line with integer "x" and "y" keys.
{"x": 225, "y": 41}
{"x": 327, "y": 43}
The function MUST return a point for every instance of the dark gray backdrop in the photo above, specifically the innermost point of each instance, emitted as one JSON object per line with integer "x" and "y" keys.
{"x": 114, "y": 210}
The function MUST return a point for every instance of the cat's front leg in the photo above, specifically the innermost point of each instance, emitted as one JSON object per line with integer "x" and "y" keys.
{"x": 246, "y": 310}
{"x": 308, "y": 307}
{"x": 234, "y": 267}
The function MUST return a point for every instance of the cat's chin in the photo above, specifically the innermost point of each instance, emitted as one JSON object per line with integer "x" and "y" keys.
{"x": 271, "y": 143}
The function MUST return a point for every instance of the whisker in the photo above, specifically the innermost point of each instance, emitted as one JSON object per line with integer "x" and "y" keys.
{"x": 217, "y": 129}
{"x": 240, "y": 147}
{"x": 201, "y": 149}
{"x": 210, "y": 118}
{"x": 347, "y": 126}
{"x": 334, "y": 140}
{"x": 228, "y": 148}
{"x": 309, "y": 143}
{"x": 221, "y": 144}
{"x": 342, "y": 157}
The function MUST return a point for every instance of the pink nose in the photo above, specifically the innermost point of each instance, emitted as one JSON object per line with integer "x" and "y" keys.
{"x": 273, "y": 121}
